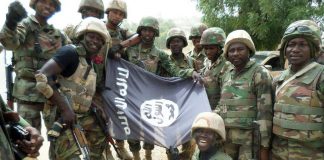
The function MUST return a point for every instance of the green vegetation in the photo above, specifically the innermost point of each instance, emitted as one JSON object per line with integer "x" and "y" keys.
{"x": 265, "y": 20}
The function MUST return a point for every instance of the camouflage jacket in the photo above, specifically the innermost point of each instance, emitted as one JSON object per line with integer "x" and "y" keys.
{"x": 245, "y": 97}
{"x": 199, "y": 57}
{"x": 152, "y": 59}
{"x": 211, "y": 75}
{"x": 299, "y": 105}
{"x": 28, "y": 55}
{"x": 219, "y": 155}
{"x": 185, "y": 63}
{"x": 118, "y": 35}
{"x": 5, "y": 149}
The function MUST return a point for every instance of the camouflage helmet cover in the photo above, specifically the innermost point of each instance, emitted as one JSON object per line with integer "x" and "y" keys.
{"x": 96, "y": 4}
{"x": 149, "y": 22}
{"x": 118, "y": 5}
{"x": 210, "y": 120}
{"x": 91, "y": 24}
{"x": 57, "y": 3}
{"x": 240, "y": 36}
{"x": 213, "y": 36}
{"x": 176, "y": 32}
{"x": 197, "y": 30}
{"x": 307, "y": 29}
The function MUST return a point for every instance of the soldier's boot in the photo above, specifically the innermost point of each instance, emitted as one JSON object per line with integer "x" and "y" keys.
{"x": 124, "y": 155}
{"x": 136, "y": 155}
{"x": 148, "y": 154}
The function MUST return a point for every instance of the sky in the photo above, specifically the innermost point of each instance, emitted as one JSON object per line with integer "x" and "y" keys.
{"x": 168, "y": 9}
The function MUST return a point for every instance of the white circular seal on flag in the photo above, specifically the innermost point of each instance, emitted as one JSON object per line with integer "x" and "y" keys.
{"x": 159, "y": 112}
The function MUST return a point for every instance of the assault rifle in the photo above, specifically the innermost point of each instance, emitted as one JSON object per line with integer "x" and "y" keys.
{"x": 9, "y": 81}
{"x": 256, "y": 140}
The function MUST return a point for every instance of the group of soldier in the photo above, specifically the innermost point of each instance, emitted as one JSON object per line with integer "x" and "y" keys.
{"x": 62, "y": 74}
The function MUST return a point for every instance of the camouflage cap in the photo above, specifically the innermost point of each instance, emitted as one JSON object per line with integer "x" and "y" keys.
{"x": 118, "y": 5}
{"x": 57, "y": 3}
{"x": 240, "y": 36}
{"x": 149, "y": 22}
{"x": 210, "y": 120}
{"x": 197, "y": 30}
{"x": 214, "y": 35}
{"x": 91, "y": 24}
{"x": 176, "y": 32}
{"x": 96, "y": 4}
{"x": 307, "y": 29}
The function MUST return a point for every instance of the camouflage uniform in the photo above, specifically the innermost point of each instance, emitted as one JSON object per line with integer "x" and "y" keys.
{"x": 6, "y": 151}
{"x": 196, "y": 31}
{"x": 79, "y": 92}
{"x": 245, "y": 97}
{"x": 211, "y": 73}
{"x": 32, "y": 45}
{"x": 212, "y": 121}
{"x": 298, "y": 111}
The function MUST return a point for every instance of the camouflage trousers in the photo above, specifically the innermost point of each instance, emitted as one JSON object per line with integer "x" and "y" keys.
{"x": 238, "y": 143}
{"x": 31, "y": 112}
{"x": 65, "y": 146}
{"x": 284, "y": 149}
{"x": 135, "y": 145}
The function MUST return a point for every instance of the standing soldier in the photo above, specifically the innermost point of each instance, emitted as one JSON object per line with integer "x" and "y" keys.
{"x": 116, "y": 13}
{"x": 213, "y": 40}
{"x": 72, "y": 95}
{"x": 33, "y": 42}
{"x": 198, "y": 53}
{"x": 299, "y": 103}
{"x": 208, "y": 131}
{"x": 87, "y": 8}
{"x": 245, "y": 98}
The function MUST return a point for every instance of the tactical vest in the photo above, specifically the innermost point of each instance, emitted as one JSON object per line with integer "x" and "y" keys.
{"x": 238, "y": 100}
{"x": 199, "y": 57}
{"x": 299, "y": 111}
{"x": 147, "y": 59}
{"x": 117, "y": 35}
{"x": 39, "y": 46}
{"x": 80, "y": 87}
{"x": 212, "y": 85}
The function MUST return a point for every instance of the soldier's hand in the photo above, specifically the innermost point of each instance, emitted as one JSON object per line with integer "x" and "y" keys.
{"x": 197, "y": 77}
{"x": 113, "y": 51}
{"x": 16, "y": 12}
{"x": 32, "y": 146}
{"x": 69, "y": 118}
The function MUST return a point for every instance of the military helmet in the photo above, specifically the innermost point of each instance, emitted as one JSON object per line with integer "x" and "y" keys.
{"x": 307, "y": 29}
{"x": 57, "y": 3}
{"x": 176, "y": 32}
{"x": 197, "y": 30}
{"x": 96, "y": 4}
{"x": 239, "y": 36}
{"x": 149, "y": 22}
{"x": 91, "y": 24}
{"x": 213, "y": 36}
{"x": 210, "y": 120}
{"x": 118, "y": 5}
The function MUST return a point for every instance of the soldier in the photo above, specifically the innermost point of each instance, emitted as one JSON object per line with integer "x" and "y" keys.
{"x": 197, "y": 52}
{"x": 245, "y": 97}
{"x": 72, "y": 65}
{"x": 87, "y": 8}
{"x": 31, "y": 147}
{"x": 208, "y": 131}
{"x": 299, "y": 99}
{"x": 213, "y": 40}
{"x": 33, "y": 42}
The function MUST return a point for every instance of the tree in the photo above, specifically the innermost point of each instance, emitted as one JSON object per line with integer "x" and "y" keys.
{"x": 265, "y": 20}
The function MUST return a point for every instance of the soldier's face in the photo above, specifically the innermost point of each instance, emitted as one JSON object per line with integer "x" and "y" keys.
{"x": 212, "y": 52}
{"x": 93, "y": 42}
{"x": 90, "y": 12}
{"x": 176, "y": 45}
{"x": 45, "y": 8}
{"x": 115, "y": 17}
{"x": 147, "y": 35}
{"x": 238, "y": 54}
{"x": 298, "y": 52}
{"x": 205, "y": 138}
{"x": 196, "y": 42}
